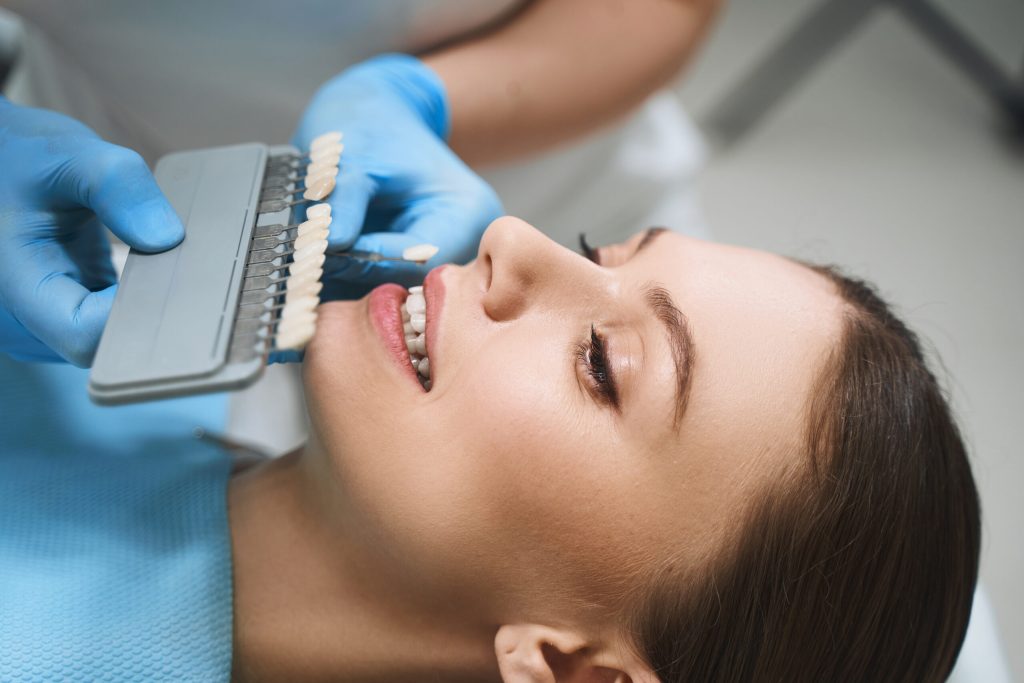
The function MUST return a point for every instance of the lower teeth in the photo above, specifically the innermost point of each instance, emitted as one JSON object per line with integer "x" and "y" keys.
{"x": 416, "y": 342}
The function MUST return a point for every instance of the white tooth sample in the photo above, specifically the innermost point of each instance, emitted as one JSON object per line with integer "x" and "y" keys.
{"x": 420, "y": 344}
{"x": 314, "y": 263}
{"x": 424, "y": 367}
{"x": 299, "y": 306}
{"x": 311, "y": 250}
{"x": 418, "y": 322}
{"x": 404, "y": 310}
{"x": 307, "y": 288}
{"x": 331, "y": 137}
{"x": 318, "y": 211}
{"x": 418, "y": 289}
{"x": 326, "y": 160}
{"x": 295, "y": 336}
{"x": 320, "y": 188}
{"x": 321, "y": 168}
{"x": 410, "y": 344}
{"x": 415, "y": 362}
{"x": 305, "y": 278}
{"x": 326, "y": 152}
{"x": 315, "y": 224}
{"x": 313, "y": 178}
{"x": 310, "y": 237}
{"x": 415, "y": 303}
{"x": 419, "y": 253}
{"x": 408, "y": 330}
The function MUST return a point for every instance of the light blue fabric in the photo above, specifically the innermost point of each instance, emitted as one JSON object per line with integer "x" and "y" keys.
{"x": 115, "y": 556}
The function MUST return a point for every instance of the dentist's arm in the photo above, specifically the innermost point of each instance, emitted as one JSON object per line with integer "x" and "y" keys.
{"x": 563, "y": 68}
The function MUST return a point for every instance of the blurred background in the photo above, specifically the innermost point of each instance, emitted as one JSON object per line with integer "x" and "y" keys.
{"x": 886, "y": 158}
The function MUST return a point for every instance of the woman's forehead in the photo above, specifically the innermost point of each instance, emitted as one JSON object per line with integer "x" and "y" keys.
{"x": 763, "y": 327}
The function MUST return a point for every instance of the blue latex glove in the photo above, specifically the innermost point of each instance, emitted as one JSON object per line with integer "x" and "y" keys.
{"x": 399, "y": 183}
{"x": 59, "y": 185}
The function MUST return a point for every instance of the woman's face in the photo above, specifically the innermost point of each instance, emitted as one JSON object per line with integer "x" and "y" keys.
{"x": 584, "y": 418}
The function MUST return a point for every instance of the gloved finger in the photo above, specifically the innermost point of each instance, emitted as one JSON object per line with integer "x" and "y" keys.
{"x": 62, "y": 314}
{"x": 117, "y": 185}
{"x": 20, "y": 344}
{"x": 352, "y": 193}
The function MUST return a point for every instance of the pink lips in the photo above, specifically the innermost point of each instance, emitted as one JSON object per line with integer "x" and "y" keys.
{"x": 384, "y": 303}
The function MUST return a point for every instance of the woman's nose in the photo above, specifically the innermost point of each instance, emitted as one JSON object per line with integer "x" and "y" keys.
{"x": 524, "y": 267}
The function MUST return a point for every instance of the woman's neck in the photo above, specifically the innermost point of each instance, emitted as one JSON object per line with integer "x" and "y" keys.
{"x": 310, "y": 606}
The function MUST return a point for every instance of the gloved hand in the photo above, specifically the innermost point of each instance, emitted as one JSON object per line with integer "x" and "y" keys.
{"x": 59, "y": 185}
{"x": 399, "y": 184}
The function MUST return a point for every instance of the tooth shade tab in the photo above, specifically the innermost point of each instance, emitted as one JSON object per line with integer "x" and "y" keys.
{"x": 303, "y": 289}
{"x": 325, "y": 160}
{"x": 320, "y": 187}
{"x": 311, "y": 250}
{"x": 296, "y": 334}
{"x": 332, "y": 137}
{"x": 311, "y": 237}
{"x": 418, "y": 289}
{"x": 330, "y": 172}
{"x": 314, "y": 224}
{"x": 299, "y": 306}
{"x": 313, "y": 264}
{"x": 326, "y": 152}
{"x": 319, "y": 167}
{"x": 420, "y": 253}
{"x": 318, "y": 211}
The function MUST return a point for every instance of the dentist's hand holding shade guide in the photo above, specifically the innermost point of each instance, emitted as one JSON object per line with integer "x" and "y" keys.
{"x": 244, "y": 285}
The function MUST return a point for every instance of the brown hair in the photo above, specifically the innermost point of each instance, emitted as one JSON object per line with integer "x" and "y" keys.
{"x": 859, "y": 568}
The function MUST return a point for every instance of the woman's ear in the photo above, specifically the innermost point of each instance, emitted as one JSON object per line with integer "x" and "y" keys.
{"x": 529, "y": 653}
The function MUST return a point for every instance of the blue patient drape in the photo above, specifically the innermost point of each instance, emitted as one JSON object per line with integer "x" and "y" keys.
{"x": 115, "y": 554}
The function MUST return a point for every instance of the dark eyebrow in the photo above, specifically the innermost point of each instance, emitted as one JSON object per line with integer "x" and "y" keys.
{"x": 680, "y": 343}
{"x": 680, "y": 339}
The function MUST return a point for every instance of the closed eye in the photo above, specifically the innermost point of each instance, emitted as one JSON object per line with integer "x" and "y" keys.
{"x": 593, "y": 356}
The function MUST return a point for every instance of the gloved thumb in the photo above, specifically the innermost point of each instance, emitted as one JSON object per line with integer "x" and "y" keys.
{"x": 117, "y": 185}
{"x": 349, "y": 200}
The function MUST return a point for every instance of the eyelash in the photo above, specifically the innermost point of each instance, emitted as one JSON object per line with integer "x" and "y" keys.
{"x": 593, "y": 356}
{"x": 591, "y": 353}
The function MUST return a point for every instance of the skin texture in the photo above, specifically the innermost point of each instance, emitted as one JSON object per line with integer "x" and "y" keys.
{"x": 415, "y": 524}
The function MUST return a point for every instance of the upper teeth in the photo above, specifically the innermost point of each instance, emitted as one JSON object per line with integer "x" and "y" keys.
{"x": 414, "y": 323}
